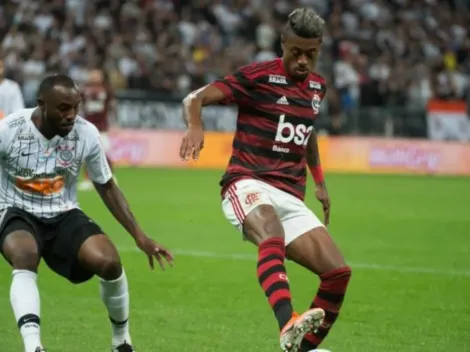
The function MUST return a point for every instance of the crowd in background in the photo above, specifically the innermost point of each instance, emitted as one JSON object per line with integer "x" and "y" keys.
{"x": 376, "y": 52}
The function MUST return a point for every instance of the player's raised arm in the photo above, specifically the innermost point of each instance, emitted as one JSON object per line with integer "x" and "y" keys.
{"x": 193, "y": 141}
{"x": 230, "y": 89}
{"x": 117, "y": 204}
{"x": 314, "y": 165}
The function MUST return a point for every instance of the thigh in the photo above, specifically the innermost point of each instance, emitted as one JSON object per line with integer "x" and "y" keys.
{"x": 20, "y": 240}
{"x": 61, "y": 251}
{"x": 248, "y": 207}
{"x": 307, "y": 239}
{"x": 316, "y": 251}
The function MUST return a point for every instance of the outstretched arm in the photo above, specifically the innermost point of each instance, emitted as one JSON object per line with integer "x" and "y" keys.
{"x": 113, "y": 198}
{"x": 117, "y": 204}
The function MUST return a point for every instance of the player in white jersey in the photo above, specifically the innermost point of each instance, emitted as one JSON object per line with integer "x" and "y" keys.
{"x": 41, "y": 152}
{"x": 11, "y": 97}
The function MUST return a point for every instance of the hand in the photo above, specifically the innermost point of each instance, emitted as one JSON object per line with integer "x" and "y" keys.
{"x": 153, "y": 249}
{"x": 322, "y": 195}
{"x": 192, "y": 143}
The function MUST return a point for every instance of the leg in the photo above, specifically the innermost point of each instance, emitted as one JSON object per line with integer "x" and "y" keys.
{"x": 316, "y": 251}
{"x": 249, "y": 208}
{"x": 21, "y": 250}
{"x": 100, "y": 256}
{"x": 80, "y": 251}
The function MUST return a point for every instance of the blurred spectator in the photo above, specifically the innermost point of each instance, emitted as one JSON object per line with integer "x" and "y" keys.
{"x": 376, "y": 52}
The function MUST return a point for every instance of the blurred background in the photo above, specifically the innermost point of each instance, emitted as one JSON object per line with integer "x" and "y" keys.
{"x": 385, "y": 59}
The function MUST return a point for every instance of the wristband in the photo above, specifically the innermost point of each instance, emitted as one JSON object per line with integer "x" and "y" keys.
{"x": 317, "y": 173}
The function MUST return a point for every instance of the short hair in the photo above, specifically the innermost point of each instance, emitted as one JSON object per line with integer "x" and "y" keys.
{"x": 305, "y": 23}
{"x": 55, "y": 80}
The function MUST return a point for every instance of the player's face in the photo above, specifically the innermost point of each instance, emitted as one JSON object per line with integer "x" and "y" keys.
{"x": 300, "y": 55}
{"x": 60, "y": 108}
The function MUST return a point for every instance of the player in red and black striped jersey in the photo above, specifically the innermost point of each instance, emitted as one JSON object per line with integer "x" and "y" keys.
{"x": 263, "y": 187}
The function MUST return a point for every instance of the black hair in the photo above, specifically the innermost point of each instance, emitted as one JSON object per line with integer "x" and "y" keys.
{"x": 55, "y": 80}
{"x": 305, "y": 23}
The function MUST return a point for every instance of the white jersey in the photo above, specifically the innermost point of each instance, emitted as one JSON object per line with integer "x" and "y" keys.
{"x": 11, "y": 98}
{"x": 40, "y": 175}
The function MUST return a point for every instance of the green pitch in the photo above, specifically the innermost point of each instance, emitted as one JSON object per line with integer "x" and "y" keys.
{"x": 407, "y": 239}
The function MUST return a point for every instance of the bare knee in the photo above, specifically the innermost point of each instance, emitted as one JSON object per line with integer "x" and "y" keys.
{"x": 262, "y": 223}
{"x": 108, "y": 267}
{"x": 21, "y": 251}
{"x": 99, "y": 255}
{"x": 316, "y": 251}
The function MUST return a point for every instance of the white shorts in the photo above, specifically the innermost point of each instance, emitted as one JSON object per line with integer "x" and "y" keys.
{"x": 245, "y": 195}
{"x": 105, "y": 141}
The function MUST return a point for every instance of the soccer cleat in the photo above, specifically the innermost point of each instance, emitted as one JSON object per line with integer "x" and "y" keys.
{"x": 294, "y": 331}
{"x": 125, "y": 347}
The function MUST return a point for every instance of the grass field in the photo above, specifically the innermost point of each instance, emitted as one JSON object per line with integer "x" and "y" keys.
{"x": 407, "y": 239}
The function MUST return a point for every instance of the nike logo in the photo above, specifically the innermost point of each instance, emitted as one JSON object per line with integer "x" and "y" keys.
{"x": 26, "y": 153}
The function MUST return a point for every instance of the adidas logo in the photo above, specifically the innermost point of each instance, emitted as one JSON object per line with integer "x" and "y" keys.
{"x": 282, "y": 100}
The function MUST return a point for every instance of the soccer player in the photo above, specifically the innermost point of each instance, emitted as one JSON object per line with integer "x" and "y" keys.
{"x": 264, "y": 185}
{"x": 42, "y": 150}
{"x": 97, "y": 106}
{"x": 11, "y": 97}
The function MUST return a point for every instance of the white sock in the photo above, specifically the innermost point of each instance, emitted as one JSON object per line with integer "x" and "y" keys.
{"x": 24, "y": 298}
{"x": 115, "y": 295}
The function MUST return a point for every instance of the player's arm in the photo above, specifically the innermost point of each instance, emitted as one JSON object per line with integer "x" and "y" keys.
{"x": 116, "y": 202}
{"x": 230, "y": 89}
{"x": 192, "y": 105}
{"x": 313, "y": 159}
{"x": 314, "y": 165}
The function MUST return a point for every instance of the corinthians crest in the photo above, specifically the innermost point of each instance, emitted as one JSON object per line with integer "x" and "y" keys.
{"x": 65, "y": 155}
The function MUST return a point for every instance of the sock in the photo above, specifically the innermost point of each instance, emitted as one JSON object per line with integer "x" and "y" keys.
{"x": 329, "y": 297}
{"x": 273, "y": 279}
{"x": 24, "y": 298}
{"x": 115, "y": 295}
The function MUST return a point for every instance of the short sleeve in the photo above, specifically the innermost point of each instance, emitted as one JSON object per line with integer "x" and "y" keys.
{"x": 96, "y": 162}
{"x": 236, "y": 87}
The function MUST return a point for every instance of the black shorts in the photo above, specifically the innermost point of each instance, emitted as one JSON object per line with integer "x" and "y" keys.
{"x": 59, "y": 239}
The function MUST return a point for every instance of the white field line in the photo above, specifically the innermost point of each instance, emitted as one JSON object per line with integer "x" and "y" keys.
{"x": 367, "y": 266}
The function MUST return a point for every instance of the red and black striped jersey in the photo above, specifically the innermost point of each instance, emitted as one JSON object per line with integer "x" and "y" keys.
{"x": 275, "y": 119}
